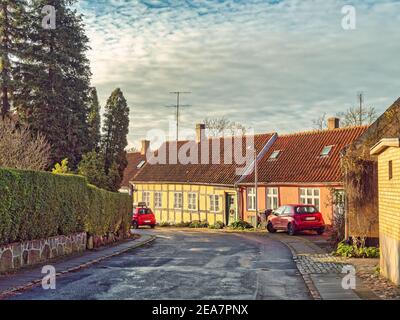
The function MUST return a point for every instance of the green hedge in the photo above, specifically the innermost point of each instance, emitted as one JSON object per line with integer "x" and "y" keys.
{"x": 35, "y": 205}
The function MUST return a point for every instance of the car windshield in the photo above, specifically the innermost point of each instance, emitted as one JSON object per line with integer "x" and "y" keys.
{"x": 144, "y": 211}
{"x": 306, "y": 209}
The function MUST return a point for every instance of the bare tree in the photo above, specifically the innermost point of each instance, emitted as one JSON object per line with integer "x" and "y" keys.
{"x": 20, "y": 149}
{"x": 355, "y": 116}
{"x": 320, "y": 123}
{"x": 219, "y": 127}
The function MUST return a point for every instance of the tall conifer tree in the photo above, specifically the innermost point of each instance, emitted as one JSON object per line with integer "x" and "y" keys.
{"x": 115, "y": 131}
{"x": 94, "y": 121}
{"x": 55, "y": 75}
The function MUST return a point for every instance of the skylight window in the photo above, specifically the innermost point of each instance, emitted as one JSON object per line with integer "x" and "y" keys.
{"x": 326, "y": 151}
{"x": 141, "y": 164}
{"x": 275, "y": 155}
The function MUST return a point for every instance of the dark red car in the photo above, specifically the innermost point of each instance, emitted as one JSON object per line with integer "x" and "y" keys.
{"x": 143, "y": 216}
{"x": 296, "y": 217}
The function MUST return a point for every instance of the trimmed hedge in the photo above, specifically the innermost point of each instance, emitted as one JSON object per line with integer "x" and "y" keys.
{"x": 36, "y": 205}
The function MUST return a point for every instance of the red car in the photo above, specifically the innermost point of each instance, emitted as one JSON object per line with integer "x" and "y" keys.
{"x": 143, "y": 216}
{"x": 296, "y": 217}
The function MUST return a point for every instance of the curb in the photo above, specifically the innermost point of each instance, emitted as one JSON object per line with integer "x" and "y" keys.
{"x": 32, "y": 284}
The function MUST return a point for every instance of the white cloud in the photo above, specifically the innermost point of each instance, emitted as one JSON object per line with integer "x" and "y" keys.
{"x": 270, "y": 66}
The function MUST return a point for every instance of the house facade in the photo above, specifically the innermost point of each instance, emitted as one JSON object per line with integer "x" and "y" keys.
{"x": 387, "y": 152}
{"x": 303, "y": 167}
{"x": 196, "y": 188}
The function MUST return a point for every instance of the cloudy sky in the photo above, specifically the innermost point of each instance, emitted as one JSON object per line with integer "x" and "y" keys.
{"x": 273, "y": 65}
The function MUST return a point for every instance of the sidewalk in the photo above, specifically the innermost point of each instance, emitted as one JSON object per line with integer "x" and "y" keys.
{"x": 322, "y": 271}
{"x": 27, "y": 278}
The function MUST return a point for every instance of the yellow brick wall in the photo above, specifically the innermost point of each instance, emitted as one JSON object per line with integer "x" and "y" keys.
{"x": 169, "y": 214}
{"x": 389, "y": 193}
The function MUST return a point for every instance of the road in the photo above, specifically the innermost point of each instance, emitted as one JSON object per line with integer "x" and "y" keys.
{"x": 187, "y": 265}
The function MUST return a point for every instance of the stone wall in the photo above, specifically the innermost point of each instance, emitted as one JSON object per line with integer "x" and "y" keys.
{"x": 17, "y": 255}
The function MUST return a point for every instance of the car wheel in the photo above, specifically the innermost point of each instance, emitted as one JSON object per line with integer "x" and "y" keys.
{"x": 135, "y": 225}
{"x": 270, "y": 228}
{"x": 321, "y": 231}
{"x": 290, "y": 229}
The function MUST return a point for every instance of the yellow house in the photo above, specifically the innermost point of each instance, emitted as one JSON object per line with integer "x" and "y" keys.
{"x": 183, "y": 186}
{"x": 388, "y": 153}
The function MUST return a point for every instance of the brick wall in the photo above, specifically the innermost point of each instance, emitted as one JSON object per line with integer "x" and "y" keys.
{"x": 389, "y": 213}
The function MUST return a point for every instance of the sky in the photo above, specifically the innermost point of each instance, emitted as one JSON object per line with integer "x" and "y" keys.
{"x": 272, "y": 65}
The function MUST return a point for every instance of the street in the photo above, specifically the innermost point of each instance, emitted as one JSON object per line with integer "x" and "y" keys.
{"x": 187, "y": 265}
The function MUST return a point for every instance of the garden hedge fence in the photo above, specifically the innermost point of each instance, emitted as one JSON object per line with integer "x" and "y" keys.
{"x": 37, "y": 205}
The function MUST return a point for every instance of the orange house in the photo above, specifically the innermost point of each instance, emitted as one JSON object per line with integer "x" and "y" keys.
{"x": 303, "y": 167}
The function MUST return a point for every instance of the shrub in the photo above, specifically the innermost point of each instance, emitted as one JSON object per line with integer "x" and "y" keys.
{"x": 240, "y": 225}
{"x": 183, "y": 224}
{"x": 198, "y": 224}
{"x": 217, "y": 225}
{"x": 353, "y": 251}
{"x": 35, "y": 205}
{"x": 165, "y": 224}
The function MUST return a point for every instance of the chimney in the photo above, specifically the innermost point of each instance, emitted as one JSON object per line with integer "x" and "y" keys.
{"x": 145, "y": 146}
{"x": 200, "y": 132}
{"x": 333, "y": 123}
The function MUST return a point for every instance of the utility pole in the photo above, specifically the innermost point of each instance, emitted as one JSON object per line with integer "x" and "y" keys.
{"x": 178, "y": 106}
{"x": 256, "y": 185}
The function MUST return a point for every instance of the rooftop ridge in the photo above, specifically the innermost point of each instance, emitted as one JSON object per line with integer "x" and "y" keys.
{"x": 316, "y": 131}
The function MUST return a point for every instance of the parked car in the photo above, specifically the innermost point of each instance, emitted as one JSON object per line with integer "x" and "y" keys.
{"x": 143, "y": 216}
{"x": 296, "y": 217}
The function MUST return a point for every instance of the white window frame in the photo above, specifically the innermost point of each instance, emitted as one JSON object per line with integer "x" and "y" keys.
{"x": 158, "y": 199}
{"x": 310, "y": 196}
{"x": 146, "y": 197}
{"x": 326, "y": 151}
{"x": 192, "y": 201}
{"x": 215, "y": 204}
{"x": 178, "y": 200}
{"x": 272, "y": 197}
{"x": 251, "y": 199}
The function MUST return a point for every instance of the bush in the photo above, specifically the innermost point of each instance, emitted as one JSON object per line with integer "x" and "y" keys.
{"x": 198, "y": 224}
{"x": 164, "y": 224}
{"x": 240, "y": 225}
{"x": 183, "y": 224}
{"x": 354, "y": 251}
{"x": 36, "y": 205}
{"x": 217, "y": 225}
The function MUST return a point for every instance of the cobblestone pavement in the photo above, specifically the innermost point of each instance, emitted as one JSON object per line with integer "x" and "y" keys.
{"x": 319, "y": 264}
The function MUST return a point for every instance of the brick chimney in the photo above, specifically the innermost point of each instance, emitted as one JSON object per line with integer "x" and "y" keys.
{"x": 333, "y": 123}
{"x": 145, "y": 146}
{"x": 200, "y": 132}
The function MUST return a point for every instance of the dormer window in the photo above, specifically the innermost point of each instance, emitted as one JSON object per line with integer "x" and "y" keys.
{"x": 275, "y": 155}
{"x": 326, "y": 151}
{"x": 141, "y": 164}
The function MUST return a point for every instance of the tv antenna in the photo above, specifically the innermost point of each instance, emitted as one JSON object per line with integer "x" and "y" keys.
{"x": 177, "y": 107}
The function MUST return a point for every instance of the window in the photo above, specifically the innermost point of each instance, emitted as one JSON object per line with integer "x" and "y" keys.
{"x": 140, "y": 164}
{"x": 146, "y": 197}
{"x": 214, "y": 203}
{"x": 310, "y": 196}
{"x": 272, "y": 198}
{"x": 178, "y": 200}
{"x": 192, "y": 201}
{"x": 158, "y": 200}
{"x": 390, "y": 170}
{"x": 251, "y": 199}
{"x": 326, "y": 151}
{"x": 274, "y": 155}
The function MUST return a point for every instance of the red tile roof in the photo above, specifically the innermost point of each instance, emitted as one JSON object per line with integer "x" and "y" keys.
{"x": 131, "y": 169}
{"x": 300, "y": 159}
{"x": 213, "y": 174}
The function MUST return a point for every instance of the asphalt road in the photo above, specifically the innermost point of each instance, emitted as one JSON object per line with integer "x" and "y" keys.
{"x": 187, "y": 265}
